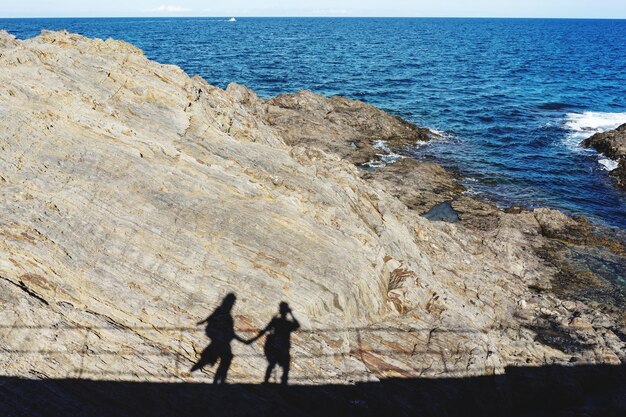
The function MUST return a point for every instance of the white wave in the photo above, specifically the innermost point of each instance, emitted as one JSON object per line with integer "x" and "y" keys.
{"x": 440, "y": 134}
{"x": 471, "y": 192}
{"x": 385, "y": 159}
{"x": 374, "y": 163}
{"x": 389, "y": 159}
{"x": 583, "y": 125}
{"x": 380, "y": 144}
{"x": 590, "y": 121}
{"x": 608, "y": 164}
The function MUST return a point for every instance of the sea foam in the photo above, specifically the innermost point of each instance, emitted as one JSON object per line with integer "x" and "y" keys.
{"x": 580, "y": 126}
{"x": 591, "y": 122}
{"x": 608, "y": 164}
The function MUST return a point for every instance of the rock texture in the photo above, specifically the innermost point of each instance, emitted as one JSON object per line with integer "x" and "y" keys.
{"x": 419, "y": 185}
{"x": 613, "y": 145}
{"x": 349, "y": 129}
{"x": 133, "y": 198}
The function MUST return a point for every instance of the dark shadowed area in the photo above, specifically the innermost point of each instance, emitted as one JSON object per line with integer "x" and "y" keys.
{"x": 589, "y": 390}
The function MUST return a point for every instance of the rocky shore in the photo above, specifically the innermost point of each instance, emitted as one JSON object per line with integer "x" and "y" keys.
{"x": 134, "y": 198}
{"x": 612, "y": 144}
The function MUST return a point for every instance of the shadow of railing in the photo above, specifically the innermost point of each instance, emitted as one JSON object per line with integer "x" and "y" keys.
{"x": 198, "y": 329}
{"x": 181, "y": 358}
{"x": 589, "y": 390}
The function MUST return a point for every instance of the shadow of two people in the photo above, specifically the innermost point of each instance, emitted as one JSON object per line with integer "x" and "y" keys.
{"x": 221, "y": 330}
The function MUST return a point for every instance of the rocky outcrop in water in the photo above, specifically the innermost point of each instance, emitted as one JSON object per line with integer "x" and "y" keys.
{"x": 135, "y": 198}
{"x": 613, "y": 145}
{"x": 350, "y": 129}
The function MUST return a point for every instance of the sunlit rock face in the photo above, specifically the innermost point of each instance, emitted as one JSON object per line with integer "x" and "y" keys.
{"x": 134, "y": 198}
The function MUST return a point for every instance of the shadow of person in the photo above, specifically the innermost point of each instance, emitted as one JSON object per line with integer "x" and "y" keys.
{"x": 278, "y": 342}
{"x": 220, "y": 329}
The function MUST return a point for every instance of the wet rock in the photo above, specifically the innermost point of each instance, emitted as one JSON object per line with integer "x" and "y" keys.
{"x": 419, "y": 185}
{"x": 578, "y": 230}
{"x": 350, "y": 129}
{"x": 613, "y": 145}
{"x": 516, "y": 210}
{"x": 442, "y": 213}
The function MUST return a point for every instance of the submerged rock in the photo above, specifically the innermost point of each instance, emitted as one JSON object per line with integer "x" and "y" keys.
{"x": 443, "y": 212}
{"x": 613, "y": 145}
{"x": 134, "y": 198}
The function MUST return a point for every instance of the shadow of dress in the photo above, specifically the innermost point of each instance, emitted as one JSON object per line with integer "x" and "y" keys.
{"x": 220, "y": 329}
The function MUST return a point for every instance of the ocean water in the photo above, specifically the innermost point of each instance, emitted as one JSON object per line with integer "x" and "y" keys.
{"x": 513, "y": 97}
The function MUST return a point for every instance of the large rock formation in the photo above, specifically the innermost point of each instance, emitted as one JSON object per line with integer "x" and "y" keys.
{"x": 134, "y": 198}
{"x": 613, "y": 145}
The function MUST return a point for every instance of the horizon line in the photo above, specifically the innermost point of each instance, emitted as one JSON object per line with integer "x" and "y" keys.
{"x": 310, "y": 17}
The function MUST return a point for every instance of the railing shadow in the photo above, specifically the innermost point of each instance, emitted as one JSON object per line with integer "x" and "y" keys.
{"x": 584, "y": 390}
{"x": 181, "y": 360}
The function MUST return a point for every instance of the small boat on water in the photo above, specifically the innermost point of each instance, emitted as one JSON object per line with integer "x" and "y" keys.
{"x": 232, "y": 19}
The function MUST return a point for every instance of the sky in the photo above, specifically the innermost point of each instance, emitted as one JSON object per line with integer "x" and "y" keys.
{"x": 242, "y": 8}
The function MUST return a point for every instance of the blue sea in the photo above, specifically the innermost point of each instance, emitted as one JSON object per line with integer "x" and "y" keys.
{"x": 512, "y": 97}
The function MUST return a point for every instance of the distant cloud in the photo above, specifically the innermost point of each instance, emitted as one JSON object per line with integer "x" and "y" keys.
{"x": 169, "y": 9}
